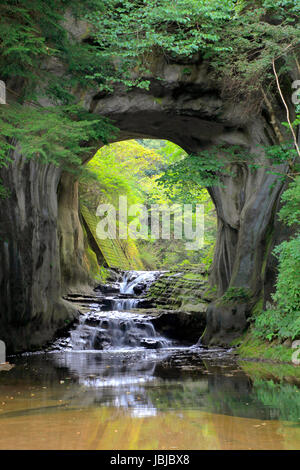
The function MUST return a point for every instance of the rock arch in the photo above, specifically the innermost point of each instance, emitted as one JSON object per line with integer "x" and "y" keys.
{"x": 41, "y": 250}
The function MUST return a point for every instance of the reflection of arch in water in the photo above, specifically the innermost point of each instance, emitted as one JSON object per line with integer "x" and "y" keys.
{"x": 2, "y": 352}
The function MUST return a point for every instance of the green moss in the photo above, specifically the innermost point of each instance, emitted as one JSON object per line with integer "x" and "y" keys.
{"x": 238, "y": 341}
{"x": 210, "y": 293}
{"x": 92, "y": 262}
{"x": 158, "y": 100}
{"x": 258, "y": 307}
{"x": 255, "y": 348}
{"x": 186, "y": 71}
{"x": 183, "y": 292}
{"x": 236, "y": 294}
{"x": 264, "y": 370}
{"x": 193, "y": 276}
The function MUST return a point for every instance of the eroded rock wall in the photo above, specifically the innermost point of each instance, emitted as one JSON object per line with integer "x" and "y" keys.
{"x": 31, "y": 306}
{"x": 182, "y": 299}
{"x": 42, "y": 249}
{"x": 190, "y": 110}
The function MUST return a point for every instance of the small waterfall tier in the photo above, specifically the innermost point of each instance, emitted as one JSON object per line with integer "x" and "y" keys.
{"x": 136, "y": 282}
{"x": 116, "y": 330}
{"x": 112, "y": 324}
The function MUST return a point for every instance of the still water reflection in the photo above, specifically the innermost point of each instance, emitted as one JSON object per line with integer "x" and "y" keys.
{"x": 181, "y": 398}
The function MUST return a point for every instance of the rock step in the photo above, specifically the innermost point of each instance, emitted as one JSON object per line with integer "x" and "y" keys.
{"x": 83, "y": 299}
{"x": 179, "y": 292}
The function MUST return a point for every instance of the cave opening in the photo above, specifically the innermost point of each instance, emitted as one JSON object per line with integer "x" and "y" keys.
{"x": 128, "y": 198}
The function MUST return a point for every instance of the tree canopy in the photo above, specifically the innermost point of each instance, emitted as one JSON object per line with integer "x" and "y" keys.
{"x": 245, "y": 42}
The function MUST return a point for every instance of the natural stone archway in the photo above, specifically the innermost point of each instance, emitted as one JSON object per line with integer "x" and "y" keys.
{"x": 41, "y": 253}
{"x": 189, "y": 111}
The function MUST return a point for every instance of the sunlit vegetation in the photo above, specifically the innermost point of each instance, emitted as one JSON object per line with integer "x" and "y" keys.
{"x": 133, "y": 169}
{"x": 282, "y": 319}
{"x": 241, "y": 39}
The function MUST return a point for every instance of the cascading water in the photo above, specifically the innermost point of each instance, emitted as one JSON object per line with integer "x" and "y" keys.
{"x": 125, "y": 304}
{"x": 134, "y": 279}
{"x": 116, "y": 330}
{"x": 133, "y": 283}
{"x": 119, "y": 328}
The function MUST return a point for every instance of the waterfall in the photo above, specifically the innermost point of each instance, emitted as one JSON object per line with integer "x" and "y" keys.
{"x": 132, "y": 279}
{"x": 125, "y": 304}
{"x": 119, "y": 328}
{"x": 116, "y": 330}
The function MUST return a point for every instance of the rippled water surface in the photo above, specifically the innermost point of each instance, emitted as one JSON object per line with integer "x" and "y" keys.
{"x": 180, "y": 398}
{"x": 114, "y": 382}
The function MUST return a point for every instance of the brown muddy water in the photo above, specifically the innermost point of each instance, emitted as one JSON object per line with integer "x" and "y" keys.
{"x": 173, "y": 398}
{"x": 116, "y": 383}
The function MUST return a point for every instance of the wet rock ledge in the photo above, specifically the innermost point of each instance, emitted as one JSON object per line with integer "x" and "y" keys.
{"x": 180, "y": 300}
{"x": 175, "y": 301}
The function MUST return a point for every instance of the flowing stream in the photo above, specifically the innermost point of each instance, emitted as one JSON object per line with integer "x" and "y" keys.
{"x": 119, "y": 328}
{"x": 114, "y": 382}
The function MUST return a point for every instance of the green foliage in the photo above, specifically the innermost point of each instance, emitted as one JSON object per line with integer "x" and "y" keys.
{"x": 149, "y": 256}
{"x": 132, "y": 168}
{"x": 283, "y": 156}
{"x": 283, "y": 397}
{"x": 211, "y": 167}
{"x": 283, "y": 319}
{"x": 287, "y": 295}
{"x": 260, "y": 32}
{"x": 256, "y": 347}
{"x": 23, "y": 45}
{"x": 205, "y": 169}
{"x": 236, "y": 294}
{"x": 290, "y": 212}
{"x": 33, "y": 33}
{"x": 58, "y": 135}
{"x": 168, "y": 25}
{"x": 279, "y": 154}
{"x": 118, "y": 169}
{"x": 272, "y": 324}
{"x": 239, "y": 38}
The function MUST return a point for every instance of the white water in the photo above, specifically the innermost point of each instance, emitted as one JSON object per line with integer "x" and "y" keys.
{"x": 125, "y": 304}
{"x": 119, "y": 328}
{"x": 132, "y": 278}
{"x": 116, "y": 330}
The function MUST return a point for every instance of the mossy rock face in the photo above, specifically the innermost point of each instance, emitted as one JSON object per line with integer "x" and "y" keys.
{"x": 195, "y": 308}
{"x": 92, "y": 262}
{"x": 178, "y": 289}
{"x": 252, "y": 347}
{"x": 236, "y": 294}
{"x": 180, "y": 296}
{"x": 42, "y": 253}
